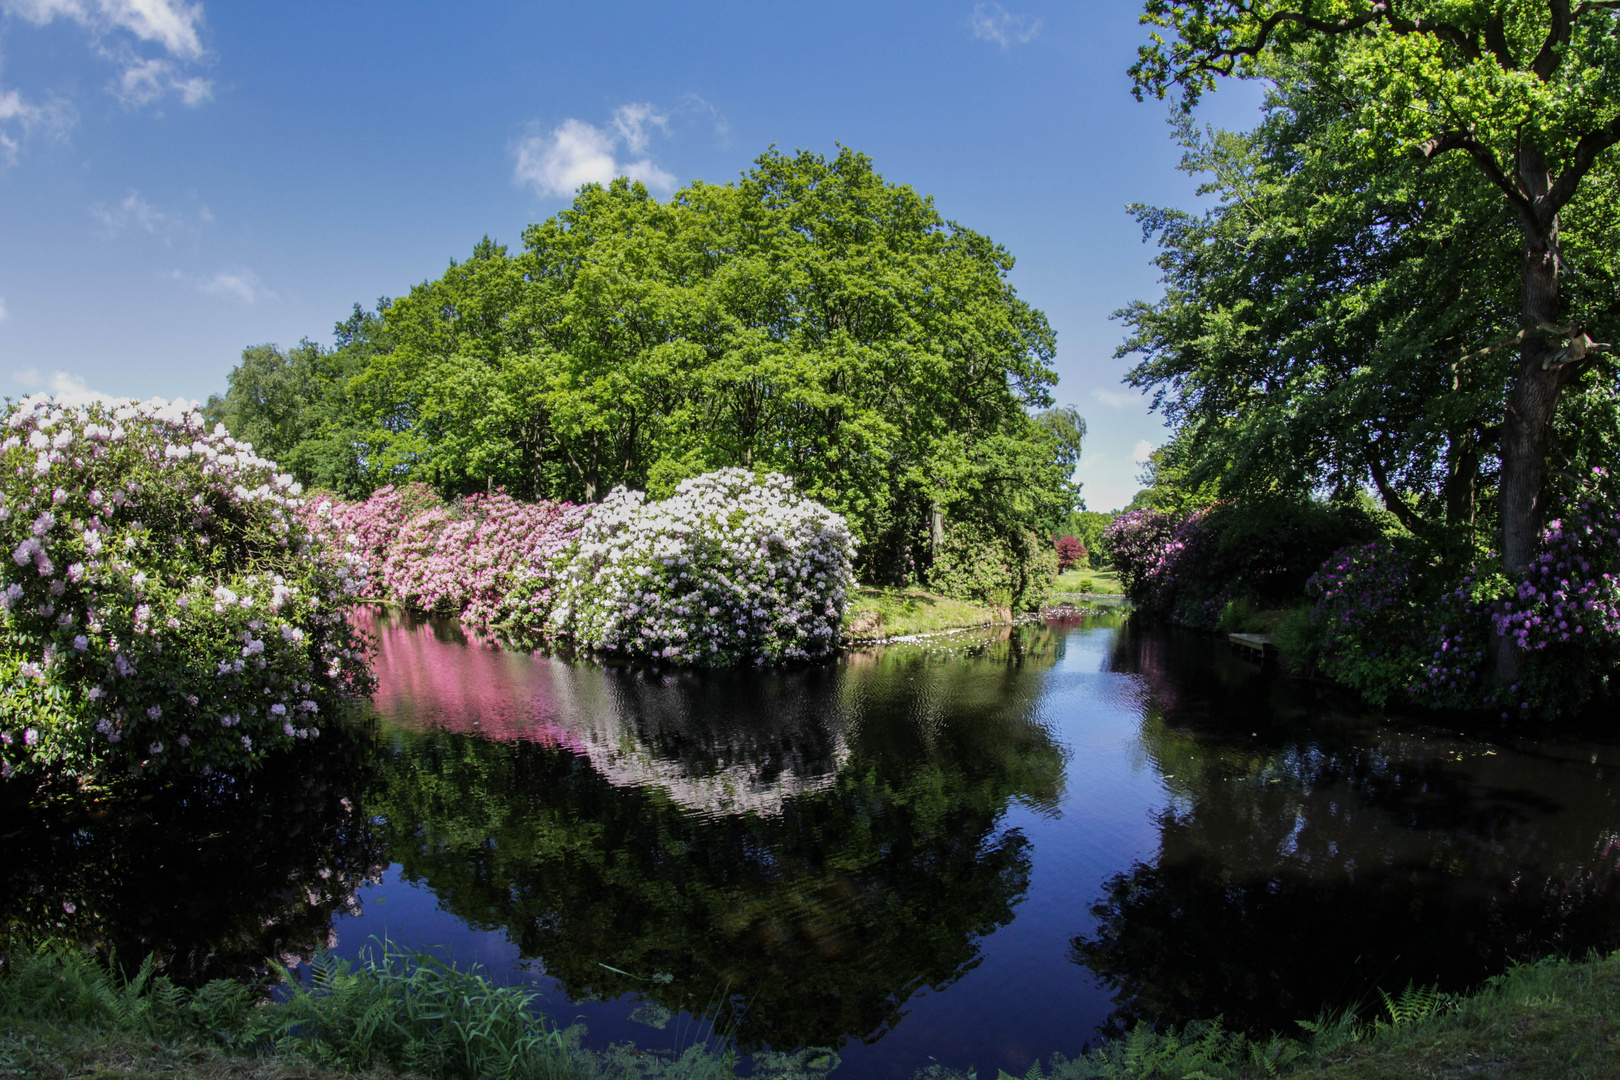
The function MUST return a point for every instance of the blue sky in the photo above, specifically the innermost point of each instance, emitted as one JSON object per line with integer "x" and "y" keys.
{"x": 178, "y": 181}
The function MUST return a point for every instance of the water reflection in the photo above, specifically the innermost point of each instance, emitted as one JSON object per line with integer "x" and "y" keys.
{"x": 1304, "y": 863}
{"x": 795, "y": 853}
{"x": 213, "y": 876}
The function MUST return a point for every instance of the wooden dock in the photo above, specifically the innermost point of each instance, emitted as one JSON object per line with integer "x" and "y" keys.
{"x": 1254, "y": 646}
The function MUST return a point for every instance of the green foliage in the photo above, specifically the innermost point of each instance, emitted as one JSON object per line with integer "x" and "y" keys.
{"x": 808, "y": 319}
{"x": 411, "y": 1011}
{"x": 1087, "y": 526}
{"x": 1170, "y": 484}
{"x": 294, "y": 407}
{"x": 1387, "y": 291}
{"x": 1005, "y": 571}
{"x": 70, "y": 988}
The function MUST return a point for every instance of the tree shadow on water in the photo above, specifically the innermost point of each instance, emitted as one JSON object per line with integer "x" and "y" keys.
{"x": 1309, "y": 858}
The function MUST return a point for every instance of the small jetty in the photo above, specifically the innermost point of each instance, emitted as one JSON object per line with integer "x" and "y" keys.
{"x": 1253, "y": 646}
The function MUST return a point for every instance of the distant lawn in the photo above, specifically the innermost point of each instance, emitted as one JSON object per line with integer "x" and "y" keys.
{"x": 1104, "y": 582}
{"x": 883, "y": 613}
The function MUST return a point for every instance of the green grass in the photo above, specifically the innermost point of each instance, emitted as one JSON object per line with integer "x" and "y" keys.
{"x": 1103, "y": 582}
{"x": 876, "y": 613}
{"x": 63, "y": 1015}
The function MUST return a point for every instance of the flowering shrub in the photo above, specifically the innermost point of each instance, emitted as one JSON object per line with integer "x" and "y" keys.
{"x": 1260, "y": 553}
{"x": 1143, "y": 545}
{"x": 485, "y": 558}
{"x": 1365, "y": 620}
{"x": 731, "y": 568}
{"x": 1564, "y": 615}
{"x": 468, "y": 558}
{"x": 369, "y": 528}
{"x": 162, "y": 607}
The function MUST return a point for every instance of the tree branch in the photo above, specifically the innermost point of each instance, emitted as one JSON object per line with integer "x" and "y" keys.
{"x": 1223, "y": 61}
{"x": 1587, "y": 150}
{"x": 1563, "y": 23}
{"x": 1433, "y": 147}
{"x": 1397, "y": 505}
{"x": 1496, "y": 40}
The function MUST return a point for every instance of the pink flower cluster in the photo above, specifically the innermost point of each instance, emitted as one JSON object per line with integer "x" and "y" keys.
{"x": 467, "y": 558}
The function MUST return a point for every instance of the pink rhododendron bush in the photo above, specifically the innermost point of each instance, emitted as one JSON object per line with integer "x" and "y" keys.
{"x": 164, "y": 609}
{"x": 731, "y": 568}
{"x": 483, "y": 558}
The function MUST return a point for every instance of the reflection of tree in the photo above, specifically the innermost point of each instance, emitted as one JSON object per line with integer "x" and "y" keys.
{"x": 1305, "y": 870}
{"x": 808, "y": 919}
{"x": 214, "y": 876}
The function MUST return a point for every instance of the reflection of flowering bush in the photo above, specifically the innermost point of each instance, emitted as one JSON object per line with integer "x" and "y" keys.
{"x": 163, "y": 606}
{"x": 730, "y": 568}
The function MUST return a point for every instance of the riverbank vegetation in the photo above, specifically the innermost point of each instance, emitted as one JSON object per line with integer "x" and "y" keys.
{"x": 809, "y": 319}
{"x": 64, "y": 1015}
{"x": 733, "y": 567}
{"x": 1357, "y": 315}
{"x": 876, "y": 613}
{"x": 164, "y": 608}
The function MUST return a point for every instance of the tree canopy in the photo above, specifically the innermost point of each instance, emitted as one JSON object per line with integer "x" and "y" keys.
{"x": 809, "y": 318}
{"x": 1410, "y": 256}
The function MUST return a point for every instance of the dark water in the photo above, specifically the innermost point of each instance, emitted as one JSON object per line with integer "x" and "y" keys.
{"x": 975, "y": 854}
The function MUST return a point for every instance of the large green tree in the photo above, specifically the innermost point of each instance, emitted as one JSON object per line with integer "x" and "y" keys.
{"x": 293, "y": 407}
{"x": 1526, "y": 94}
{"x": 809, "y": 318}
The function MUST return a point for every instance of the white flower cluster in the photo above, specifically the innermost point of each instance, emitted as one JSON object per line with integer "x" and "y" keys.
{"x": 159, "y": 578}
{"x": 731, "y": 568}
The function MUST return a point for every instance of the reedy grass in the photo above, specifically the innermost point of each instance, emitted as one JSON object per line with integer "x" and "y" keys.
{"x": 63, "y": 1014}
{"x": 392, "y": 1012}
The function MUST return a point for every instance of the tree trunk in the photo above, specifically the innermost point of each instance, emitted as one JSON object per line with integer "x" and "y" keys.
{"x": 1532, "y": 399}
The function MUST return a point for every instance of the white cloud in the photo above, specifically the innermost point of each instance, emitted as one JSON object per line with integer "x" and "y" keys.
{"x": 1115, "y": 400}
{"x": 992, "y": 22}
{"x": 1142, "y": 451}
{"x": 174, "y": 27}
{"x": 135, "y": 213}
{"x": 66, "y": 388}
{"x": 632, "y": 121}
{"x": 576, "y": 153}
{"x": 21, "y": 119}
{"x": 693, "y": 104}
{"x": 241, "y": 283}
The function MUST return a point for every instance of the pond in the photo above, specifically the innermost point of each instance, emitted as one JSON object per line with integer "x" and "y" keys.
{"x": 976, "y": 853}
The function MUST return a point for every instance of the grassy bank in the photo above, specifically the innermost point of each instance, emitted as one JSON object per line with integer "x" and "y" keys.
{"x": 62, "y": 1015}
{"x": 1100, "y": 582}
{"x": 876, "y": 613}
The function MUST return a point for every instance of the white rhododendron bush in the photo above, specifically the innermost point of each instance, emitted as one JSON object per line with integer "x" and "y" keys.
{"x": 731, "y": 568}
{"x": 164, "y": 609}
